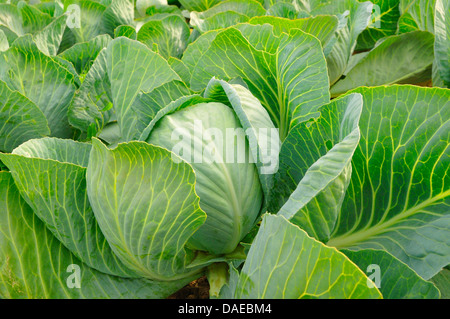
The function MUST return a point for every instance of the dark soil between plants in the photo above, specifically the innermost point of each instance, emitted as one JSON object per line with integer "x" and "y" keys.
{"x": 198, "y": 289}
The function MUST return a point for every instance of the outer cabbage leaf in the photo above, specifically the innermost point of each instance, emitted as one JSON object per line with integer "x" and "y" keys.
{"x": 315, "y": 167}
{"x": 4, "y": 44}
{"x": 385, "y": 16}
{"x": 416, "y": 15}
{"x": 11, "y": 21}
{"x": 23, "y": 67}
{"x": 283, "y": 262}
{"x": 400, "y": 59}
{"x": 226, "y": 14}
{"x": 20, "y": 119}
{"x": 323, "y": 27}
{"x": 34, "y": 264}
{"x": 117, "y": 88}
{"x": 287, "y": 73}
{"x": 399, "y": 192}
{"x": 354, "y": 18}
{"x": 89, "y": 18}
{"x": 171, "y": 34}
{"x": 82, "y": 55}
{"x": 91, "y": 107}
{"x": 283, "y": 9}
{"x": 397, "y": 280}
{"x": 97, "y": 18}
{"x": 133, "y": 68}
{"x": 146, "y": 206}
{"x": 125, "y": 31}
{"x": 198, "y": 5}
{"x": 50, "y": 174}
{"x": 442, "y": 282}
{"x": 48, "y": 40}
{"x": 442, "y": 43}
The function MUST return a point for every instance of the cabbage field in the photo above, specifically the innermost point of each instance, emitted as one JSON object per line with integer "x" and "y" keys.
{"x": 262, "y": 148}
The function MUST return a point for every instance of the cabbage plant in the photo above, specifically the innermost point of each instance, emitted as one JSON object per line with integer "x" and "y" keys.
{"x": 143, "y": 188}
{"x": 281, "y": 149}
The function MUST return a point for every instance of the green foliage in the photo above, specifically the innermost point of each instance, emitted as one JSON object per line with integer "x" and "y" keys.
{"x": 284, "y": 149}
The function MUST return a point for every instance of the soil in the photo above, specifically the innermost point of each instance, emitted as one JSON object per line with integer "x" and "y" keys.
{"x": 198, "y": 289}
